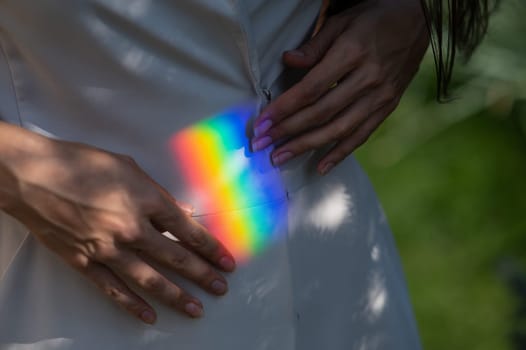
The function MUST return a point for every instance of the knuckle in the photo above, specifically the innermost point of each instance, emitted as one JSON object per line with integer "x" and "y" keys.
{"x": 349, "y": 61}
{"x": 209, "y": 275}
{"x": 197, "y": 238}
{"x": 279, "y": 131}
{"x": 153, "y": 202}
{"x": 80, "y": 262}
{"x": 374, "y": 75}
{"x": 130, "y": 159}
{"x": 363, "y": 135}
{"x": 354, "y": 52}
{"x": 106, "y": 254}
{"x": 126, "y": 158}
{"x": 390, "y": 93}
{"x": 206, "y": 275}
{"x": 336, "y": 132}
{"x": 134, "y": 306}
{"x": 312, "y": 50}
{"x": 318, "y": 140}
{"x": 311, "y": 91}
{"x": 154, "y": 284}
{"x": 177, "y": 297}
{"x": 340, "y": 153}
{"x": 292, "y": 126}
{"x": 180, "y": 260}
{"x": 338, "y": 129}
{"x": 112, "y": 291}
{"x": 99, "y": 250}
{"x": 321, "y": 112}
{"x": 302, "y": 144}
{"x": 129, "y": 232}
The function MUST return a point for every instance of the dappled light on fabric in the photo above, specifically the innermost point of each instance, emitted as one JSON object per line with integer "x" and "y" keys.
{"x": 324, "y": 214}
{"x": 331, "y": 211}
{"x": 47, "y": 344}
{"x": 376, "y": 297}
{"x": 238, "y": 194}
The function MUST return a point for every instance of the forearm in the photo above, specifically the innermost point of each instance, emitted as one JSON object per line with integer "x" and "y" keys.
{"x": 17, "y": 145}
{"x": 93, "y": 208}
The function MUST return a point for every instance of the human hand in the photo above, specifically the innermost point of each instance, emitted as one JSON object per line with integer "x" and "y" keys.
{"x": 104, "y": 216}
{"x": 359, "y": 64}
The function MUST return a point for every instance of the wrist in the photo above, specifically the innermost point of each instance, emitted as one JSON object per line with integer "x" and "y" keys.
{"x": 18, "y": 147}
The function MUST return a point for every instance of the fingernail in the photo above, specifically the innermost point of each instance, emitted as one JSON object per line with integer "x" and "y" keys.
{"x": 227, "y": 263}
{"x": 193, "y": 310}
{"x": 219, "y": 287}
{"x": 296, "y": 53}
{"x": 326, "y": 168}
{"x": 259, "y": 144}
{"x": 148, "y": 316}
{"x": 262, "y": 128}
{"x": 281, "y": 158}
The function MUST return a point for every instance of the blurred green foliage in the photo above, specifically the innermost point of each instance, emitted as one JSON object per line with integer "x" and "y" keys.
{"x": 452, "y": 179}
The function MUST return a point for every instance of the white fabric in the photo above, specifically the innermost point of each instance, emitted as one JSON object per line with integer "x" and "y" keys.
{"x": 126, "y": 75}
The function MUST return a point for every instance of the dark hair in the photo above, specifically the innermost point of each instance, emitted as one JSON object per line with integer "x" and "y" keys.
{"x": 455, "y": 25}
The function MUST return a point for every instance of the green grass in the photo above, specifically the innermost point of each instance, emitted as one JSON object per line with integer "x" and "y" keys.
{"x": 452, "y": 179}
{"x": 456, "y": 201}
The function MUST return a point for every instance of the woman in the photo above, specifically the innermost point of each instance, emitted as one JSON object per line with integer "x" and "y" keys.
{"x": 89, "y": 85}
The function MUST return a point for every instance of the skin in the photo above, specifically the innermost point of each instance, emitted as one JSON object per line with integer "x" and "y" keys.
{"x": 358, "y": 69}
{"x": 104, "y": 216}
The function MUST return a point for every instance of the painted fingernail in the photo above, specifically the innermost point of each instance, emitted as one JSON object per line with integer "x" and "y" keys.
{"x": 219, "y": 287}
{"x": 262, "y": 128}
{"x": 193, "y": 309}
{"x": 262, "y": 117}
{"x": 259, "y": 144}
{"x": 148, "y": 316}
{"x": 280, "y": 158}
{"x": 326, "y": 168}
{"x": 227, "y": 263}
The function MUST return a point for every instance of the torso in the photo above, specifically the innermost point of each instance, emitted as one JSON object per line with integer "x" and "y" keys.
{"x": 131, "y": 76}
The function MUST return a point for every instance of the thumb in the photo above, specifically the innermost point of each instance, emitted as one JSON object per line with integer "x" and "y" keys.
{"x": 312, "y": 51}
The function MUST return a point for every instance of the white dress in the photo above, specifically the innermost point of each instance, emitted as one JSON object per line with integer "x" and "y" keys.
{"x": 175, "y": 84}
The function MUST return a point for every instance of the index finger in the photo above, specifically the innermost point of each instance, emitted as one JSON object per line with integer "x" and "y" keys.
{"x": 341, "y": 58}
{"x": 195, "y": 236}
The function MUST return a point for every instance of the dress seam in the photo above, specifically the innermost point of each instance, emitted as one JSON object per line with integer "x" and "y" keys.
{"x": 246, "y": 50}
{"x": 255, "y": 205}
{"x": 8, "y": 266}
{"x": 11, "y": 79}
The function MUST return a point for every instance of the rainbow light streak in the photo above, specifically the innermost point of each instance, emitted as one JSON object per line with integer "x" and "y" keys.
{"x": 238, "y": 193}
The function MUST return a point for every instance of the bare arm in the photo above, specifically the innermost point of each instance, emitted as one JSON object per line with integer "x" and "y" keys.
{"x": 103, "y": 215}
{"x": 359, "y": 65}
